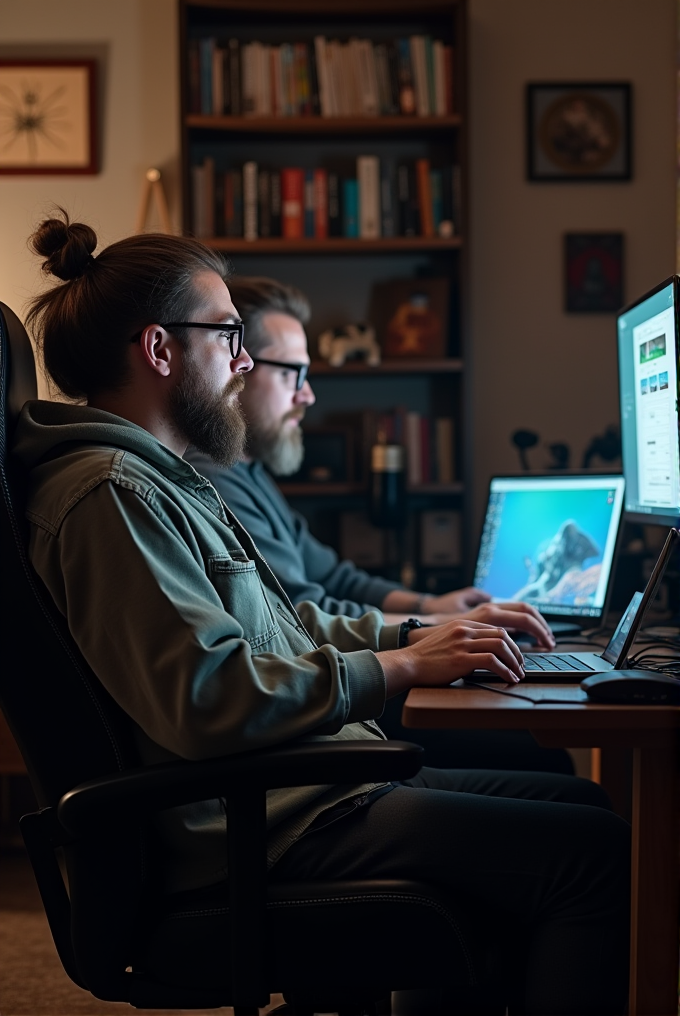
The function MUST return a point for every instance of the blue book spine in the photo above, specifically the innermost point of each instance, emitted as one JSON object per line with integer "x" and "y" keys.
{"x": 350, "y": 207}
{"x": 309, "y": 202}
{"x": 206, "y": 63}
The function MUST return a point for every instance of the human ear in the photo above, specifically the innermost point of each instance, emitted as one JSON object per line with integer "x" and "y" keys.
{"x": 158, "y": 348}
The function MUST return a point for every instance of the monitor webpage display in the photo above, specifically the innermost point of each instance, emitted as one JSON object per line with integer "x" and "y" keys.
{"x": 550, "y": 541}
{"x": 649, "y": 348}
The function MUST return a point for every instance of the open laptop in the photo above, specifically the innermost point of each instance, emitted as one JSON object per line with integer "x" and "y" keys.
{"x": 551, "y": 668}
{"x": 550, "y": 541}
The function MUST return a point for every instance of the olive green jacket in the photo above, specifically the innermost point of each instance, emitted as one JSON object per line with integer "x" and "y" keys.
{"x": 183, "y": 622}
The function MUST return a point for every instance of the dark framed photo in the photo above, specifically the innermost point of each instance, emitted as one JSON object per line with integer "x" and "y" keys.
{"x": 579, "y": 131}
{"x": 593, "y": 273}
{"x": 47, "y": 117}
{"x": 411, "y": 317}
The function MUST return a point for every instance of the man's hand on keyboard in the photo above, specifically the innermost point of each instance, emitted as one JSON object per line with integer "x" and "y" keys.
{"x": 514, "y": 617}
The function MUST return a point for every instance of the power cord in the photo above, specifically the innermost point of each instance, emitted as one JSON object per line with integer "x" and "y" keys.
{"x": 527, "y": 698}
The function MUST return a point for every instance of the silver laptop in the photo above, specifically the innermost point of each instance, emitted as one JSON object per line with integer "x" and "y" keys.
{"x": 550, "y": 668}
{"x": 550, "y": 541}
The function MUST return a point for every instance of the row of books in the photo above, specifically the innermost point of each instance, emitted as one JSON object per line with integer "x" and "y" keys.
{"x": 429, "y": 444}
{"x": 408, "y": 76}
{"x": 384, "y": 200}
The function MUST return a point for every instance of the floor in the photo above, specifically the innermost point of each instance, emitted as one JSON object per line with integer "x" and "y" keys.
{"x": 32, "y": 980}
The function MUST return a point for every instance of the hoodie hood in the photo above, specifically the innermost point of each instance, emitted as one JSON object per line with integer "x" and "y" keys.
{"x": 43, "y": 427}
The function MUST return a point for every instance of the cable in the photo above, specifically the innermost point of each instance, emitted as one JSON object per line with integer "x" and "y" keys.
{"x": 527, "y": 698}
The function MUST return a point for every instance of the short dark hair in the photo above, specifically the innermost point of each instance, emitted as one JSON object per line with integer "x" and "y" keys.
{"x": 255, "y": 296}
{"x": 83, "y": 326}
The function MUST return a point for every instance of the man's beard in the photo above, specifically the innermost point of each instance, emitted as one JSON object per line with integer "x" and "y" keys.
{"x": 279, "y": 447}
{"x": 212, "y": 421}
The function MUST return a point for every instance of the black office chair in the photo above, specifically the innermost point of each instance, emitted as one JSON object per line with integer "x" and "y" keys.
{"x": 325, "y": 946}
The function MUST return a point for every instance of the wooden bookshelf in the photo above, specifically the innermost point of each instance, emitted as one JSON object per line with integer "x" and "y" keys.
{"x": 324, "y": 125}
{"x": 333, "y": 245}
{"x": 353, "y": 489}
{"x": 450, "y": 365}
{"x": 433, "y": 387}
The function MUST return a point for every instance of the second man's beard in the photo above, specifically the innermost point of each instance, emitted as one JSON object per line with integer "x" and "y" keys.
{"x": 279, "y": 447}
{"x": 212, "y": 421}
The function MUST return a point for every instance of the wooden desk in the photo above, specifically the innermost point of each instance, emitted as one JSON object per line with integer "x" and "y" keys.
{"x": 652, "y": 733}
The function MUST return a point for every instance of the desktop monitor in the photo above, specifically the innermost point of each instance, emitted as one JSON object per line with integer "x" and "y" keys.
{"x": 649, "y": 380}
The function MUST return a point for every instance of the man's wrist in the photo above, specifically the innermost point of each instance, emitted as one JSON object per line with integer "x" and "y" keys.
{"x": 423, "y": 604}
{"x": 405, "y": 629}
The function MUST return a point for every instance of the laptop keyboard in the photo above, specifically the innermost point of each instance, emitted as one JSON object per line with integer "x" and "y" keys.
{"x": 553, "y": 661}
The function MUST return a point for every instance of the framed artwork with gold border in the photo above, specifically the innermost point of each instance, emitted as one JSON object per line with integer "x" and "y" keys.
{"x": 579, "y": 131}
{"x": 47, "y": 117}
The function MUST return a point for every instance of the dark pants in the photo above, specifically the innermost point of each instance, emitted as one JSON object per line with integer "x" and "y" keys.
{"x": 476, "y": 749}
{"x": 545, "y": 872}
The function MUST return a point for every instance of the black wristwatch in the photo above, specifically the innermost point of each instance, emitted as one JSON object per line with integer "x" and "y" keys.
{"x": 405, "y": 627}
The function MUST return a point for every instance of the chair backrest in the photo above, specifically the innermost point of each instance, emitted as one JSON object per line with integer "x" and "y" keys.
{"x": 67, "y": 726}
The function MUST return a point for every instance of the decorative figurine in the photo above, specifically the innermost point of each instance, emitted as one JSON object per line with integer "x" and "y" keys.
{"x": 350, "y": 342}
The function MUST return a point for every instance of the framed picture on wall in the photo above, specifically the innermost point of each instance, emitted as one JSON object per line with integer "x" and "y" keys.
{"x": 578, "y": 132}
{"x": 47, "y": 117}
{"x": 593, "y": 273}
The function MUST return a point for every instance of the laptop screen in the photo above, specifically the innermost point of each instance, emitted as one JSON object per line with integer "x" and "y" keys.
{"x": 549, "y": 541}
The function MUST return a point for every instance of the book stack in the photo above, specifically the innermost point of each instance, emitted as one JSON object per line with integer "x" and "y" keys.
{"x": 408, "y": 199}
{"x": 429, "y": 449}
{"x": 429, "y": 443}
{"x": 403, "y": 77}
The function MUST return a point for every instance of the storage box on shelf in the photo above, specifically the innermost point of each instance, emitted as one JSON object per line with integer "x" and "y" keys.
{"x": 325, "y": 145}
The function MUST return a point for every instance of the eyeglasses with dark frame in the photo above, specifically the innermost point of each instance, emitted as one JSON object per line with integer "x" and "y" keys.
{"x": 302, "y": 369}
{"x": 234, "y": 330}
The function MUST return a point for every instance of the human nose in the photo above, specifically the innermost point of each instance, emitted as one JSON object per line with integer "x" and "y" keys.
{"x": 242, "y": 363}
{"x": 305, "y": 396}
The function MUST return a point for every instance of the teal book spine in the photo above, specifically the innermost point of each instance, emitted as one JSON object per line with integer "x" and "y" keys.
{"x": 350, "y": 207}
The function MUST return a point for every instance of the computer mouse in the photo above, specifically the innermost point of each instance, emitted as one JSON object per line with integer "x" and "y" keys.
{"x": 633, "y": 687}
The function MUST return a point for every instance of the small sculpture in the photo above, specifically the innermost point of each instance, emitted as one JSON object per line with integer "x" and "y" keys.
{"x": 339, "y": 344}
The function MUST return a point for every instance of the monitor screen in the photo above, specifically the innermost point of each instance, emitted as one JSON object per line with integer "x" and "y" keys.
{"x": 648, "y": 386}
{"x": 550, "y": 541}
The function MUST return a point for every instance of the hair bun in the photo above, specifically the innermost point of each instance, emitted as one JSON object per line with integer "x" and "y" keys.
{"x": 66, "y": 246}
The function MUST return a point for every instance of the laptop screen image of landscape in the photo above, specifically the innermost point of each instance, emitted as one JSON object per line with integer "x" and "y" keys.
{"x": 550, "y": 541}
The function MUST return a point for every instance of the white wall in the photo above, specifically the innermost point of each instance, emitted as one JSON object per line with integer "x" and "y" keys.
{"x": 533, "y": 365}
{"x": 136, "y": 42}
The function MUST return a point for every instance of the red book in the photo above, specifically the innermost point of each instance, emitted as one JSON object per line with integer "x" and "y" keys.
{"x": 320, "y": 204}
{"x": 292, "y": 209}
{"x": 424, "y": 192}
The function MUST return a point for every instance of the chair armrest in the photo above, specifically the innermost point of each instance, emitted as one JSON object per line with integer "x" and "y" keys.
{"x": 139, "y": 792}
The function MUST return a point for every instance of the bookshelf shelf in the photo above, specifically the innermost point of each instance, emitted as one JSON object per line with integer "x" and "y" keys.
{"x": 359, "y": 489}
{"x": 324, "y": 125}
{"x": 333, "y": 245}
{"x": 450, "y": 365}
{"x": 321, "y": 489}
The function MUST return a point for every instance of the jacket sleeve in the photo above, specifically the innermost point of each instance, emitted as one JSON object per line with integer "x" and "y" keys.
{"x": 126, "y": 572}
{"x": 346, "y": 589}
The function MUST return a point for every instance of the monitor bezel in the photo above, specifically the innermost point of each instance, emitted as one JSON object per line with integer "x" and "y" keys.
{"x": 584, "y": 621}
{"x": 648, "y": 518}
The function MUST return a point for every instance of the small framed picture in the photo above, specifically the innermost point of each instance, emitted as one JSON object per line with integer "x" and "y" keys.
{"x": 47, "y": 117}
{"x": 579, "y": 132}
{"x": 593, "y": 273}
{"x": 328, "y": 456}
{"x": 411, "y": 317}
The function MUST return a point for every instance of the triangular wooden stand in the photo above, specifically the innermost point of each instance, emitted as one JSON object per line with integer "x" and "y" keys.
{"x": 153, "y": 186}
